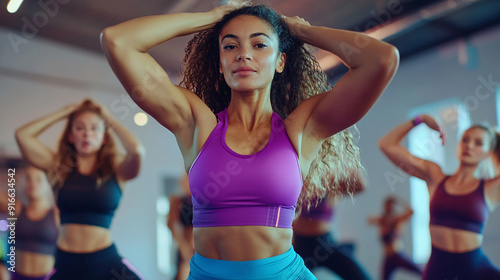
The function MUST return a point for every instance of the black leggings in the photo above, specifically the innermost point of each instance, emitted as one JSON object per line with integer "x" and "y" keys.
{"x": 395, "y": 261}
{"x": 323, "y": 251}
{"x": 460, "y": 266}
{"x": 105, "y": 264}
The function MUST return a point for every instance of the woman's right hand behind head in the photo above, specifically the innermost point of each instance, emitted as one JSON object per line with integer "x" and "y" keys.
{"x": 70, "y": 108}
{"x": 230, "y": 6}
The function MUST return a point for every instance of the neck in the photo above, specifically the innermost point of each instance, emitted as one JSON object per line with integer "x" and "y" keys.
{"x": 250, "y": 109}
{"x": 465, "y": 172}
{"x": 86, "y": 164}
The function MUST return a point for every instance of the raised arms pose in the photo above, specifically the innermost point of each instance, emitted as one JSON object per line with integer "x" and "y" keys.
{"x": 250, "y": 116}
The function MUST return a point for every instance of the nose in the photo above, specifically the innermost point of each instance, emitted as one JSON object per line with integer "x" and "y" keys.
{"x": 244, "y": 54}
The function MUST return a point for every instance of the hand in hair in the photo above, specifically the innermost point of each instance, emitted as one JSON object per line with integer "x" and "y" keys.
{"x": 230, "y": 6}
{"x": 432, "y": 124}
{"x": 294, "y": 23}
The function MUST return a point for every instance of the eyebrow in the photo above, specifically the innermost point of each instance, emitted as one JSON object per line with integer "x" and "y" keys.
{"x": 257, "y": 34}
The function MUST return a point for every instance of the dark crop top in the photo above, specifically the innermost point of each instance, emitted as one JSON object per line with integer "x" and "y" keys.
{"x": 37, "y": 236}
{"x": 230, "y": 189}
{"x": 82, "y": 201}
{"x": 468, "y": 212}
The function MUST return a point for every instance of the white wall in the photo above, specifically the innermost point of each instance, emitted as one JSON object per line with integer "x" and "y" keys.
{"x": 43, "y": 76}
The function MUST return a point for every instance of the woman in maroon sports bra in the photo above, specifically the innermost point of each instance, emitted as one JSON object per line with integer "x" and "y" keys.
{"x": 459, "y": 203}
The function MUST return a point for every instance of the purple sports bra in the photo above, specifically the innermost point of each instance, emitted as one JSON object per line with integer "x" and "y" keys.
{"x": 230, "y": 189}
{"x": 468, "y": 212}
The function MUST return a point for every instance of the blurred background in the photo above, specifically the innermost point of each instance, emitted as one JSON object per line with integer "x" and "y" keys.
{"x": 450, "y": 67}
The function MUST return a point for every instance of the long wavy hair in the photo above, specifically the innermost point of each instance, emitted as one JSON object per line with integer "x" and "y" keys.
{"x": 301, "y": 78}
{"x": 66, "y": 160}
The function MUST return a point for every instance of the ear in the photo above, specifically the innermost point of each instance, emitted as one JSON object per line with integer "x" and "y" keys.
{"x": 70, "y": 138}
{"x": 280, "y": 62}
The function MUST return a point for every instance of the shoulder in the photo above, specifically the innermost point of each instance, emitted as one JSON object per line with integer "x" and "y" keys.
{"x": 435, "y": 175}
{"x": 492, "y": 189}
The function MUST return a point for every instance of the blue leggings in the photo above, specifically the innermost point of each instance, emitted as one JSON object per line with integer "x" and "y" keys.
{"x": 395, "y": 261}
{"x": 460, "y": 266}
{"x": 286, "y": 266}
{"x": 323, "y": 251}
{"x": 105, "y": 264}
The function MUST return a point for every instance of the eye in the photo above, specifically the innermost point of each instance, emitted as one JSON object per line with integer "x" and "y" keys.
{"x": 229, "y": 47}
{"x": 261, "y": 45}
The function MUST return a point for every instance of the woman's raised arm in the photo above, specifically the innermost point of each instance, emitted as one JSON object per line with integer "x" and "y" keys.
{"x": 32, "y": 149}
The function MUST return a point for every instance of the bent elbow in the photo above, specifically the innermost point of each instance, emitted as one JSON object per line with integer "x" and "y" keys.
{"x": 381, "y": 144}
{"x": 109, "y": 39}
{"x": 389, "y": 60}
{"x": 106, "y": 38}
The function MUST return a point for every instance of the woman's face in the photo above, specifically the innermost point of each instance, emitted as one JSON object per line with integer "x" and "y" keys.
{"x": 87, "y": 133}
{"x": 36, "y": 182}
{"x": 474, "y": 146}
{"x": 249, "y": 53}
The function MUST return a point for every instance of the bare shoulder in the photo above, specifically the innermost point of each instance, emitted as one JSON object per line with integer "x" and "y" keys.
{"x": 492, "y": 189}
{"x": 434, "y": 175}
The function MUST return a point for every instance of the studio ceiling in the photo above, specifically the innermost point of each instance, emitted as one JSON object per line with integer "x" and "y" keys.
{"x": 411, "y": 25}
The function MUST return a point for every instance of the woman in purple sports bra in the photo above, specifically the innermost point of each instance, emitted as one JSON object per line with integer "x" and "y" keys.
{"x": 250, "y": 115}
{"x": 459, "y": 203}
{"x": 390, "y": 225}
{"x": 36, "y": 227}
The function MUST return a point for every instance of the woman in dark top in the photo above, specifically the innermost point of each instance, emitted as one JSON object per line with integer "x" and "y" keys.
{"x": 89, "y": 175}
{"x": 390, "y": 225}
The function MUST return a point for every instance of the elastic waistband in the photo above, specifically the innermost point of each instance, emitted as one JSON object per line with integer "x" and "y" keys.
{"x": 68, "y": 258}
{"x": 438, "y": 253}
{"x": 271, "y": 216}
{"x": 253, "y": 269}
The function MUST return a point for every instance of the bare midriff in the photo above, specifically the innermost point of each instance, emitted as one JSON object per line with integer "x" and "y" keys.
{"x": 454, "y": 240}
{"x": 78, "y": 238}
{"x": 241, "y": 243}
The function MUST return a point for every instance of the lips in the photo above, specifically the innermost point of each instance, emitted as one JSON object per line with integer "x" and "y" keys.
{"x": 244, "y": 70}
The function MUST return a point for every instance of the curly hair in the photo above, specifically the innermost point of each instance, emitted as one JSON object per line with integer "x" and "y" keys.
{"x": 65, "y": 160}
{"x": 301, "y": 78}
